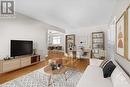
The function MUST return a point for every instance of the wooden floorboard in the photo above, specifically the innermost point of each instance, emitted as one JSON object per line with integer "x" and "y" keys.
{"x": 78, "y": 64}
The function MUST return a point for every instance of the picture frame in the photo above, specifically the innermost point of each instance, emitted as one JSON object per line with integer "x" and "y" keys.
{"x": 122, "y": 35}
{"x": 128, "y": 30}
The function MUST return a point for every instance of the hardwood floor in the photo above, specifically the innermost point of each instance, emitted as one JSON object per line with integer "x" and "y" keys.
{"x": 78, "y": 64}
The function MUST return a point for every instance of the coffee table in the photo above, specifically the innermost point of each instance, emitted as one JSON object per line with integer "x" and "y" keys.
{"x": 48, "y": 71}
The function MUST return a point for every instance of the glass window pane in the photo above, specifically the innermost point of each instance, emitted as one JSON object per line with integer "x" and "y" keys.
{"x": 57, "y": 40}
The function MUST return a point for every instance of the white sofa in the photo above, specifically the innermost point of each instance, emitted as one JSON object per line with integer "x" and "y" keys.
{"x": 93, "y": 76}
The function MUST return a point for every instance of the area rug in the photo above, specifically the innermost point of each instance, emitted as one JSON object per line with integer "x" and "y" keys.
{"x": 39, "y": 79}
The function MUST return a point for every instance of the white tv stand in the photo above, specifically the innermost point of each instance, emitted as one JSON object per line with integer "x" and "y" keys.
{"x": 18, "y": 62}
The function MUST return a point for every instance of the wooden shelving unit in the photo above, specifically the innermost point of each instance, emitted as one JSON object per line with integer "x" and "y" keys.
{"x": 70, "y": 43}
{"x": 18, "y": 62}
{"x": 97, "y": 42}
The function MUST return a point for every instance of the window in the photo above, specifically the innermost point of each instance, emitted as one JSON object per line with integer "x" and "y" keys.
{"x": 57, "y": 40}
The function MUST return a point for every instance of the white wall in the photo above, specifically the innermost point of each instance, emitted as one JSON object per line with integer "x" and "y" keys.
{"x": 22, "y": 28}
{"x": 120, "y": 8}
{"x": 85, "y": 34}
{"x": 118, "y": 11}
{"x": 111, "y": 41}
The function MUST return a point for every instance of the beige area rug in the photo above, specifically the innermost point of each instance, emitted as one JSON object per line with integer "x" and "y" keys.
{"x": 39, "y": 79}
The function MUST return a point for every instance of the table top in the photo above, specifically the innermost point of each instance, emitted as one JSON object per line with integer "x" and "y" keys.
{"x": 48, "y": 70}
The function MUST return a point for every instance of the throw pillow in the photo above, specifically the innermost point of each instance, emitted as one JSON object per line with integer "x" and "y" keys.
{"x": 104, "y": 63}
{"x": 108, "y": 69}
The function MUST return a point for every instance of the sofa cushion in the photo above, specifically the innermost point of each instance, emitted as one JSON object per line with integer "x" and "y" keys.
{"x": 108, "y": 69}
{"x": 120, "y": 78}
{"x": 104, "y": 62}
{"x": 93, "y": 72}
{"x": 95, "y": 62}
{"x": 93, "y": 77}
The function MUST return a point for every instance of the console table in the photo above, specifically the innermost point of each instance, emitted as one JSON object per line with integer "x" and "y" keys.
{"x": 18, "y": 62}
{"x": 55, "y": 54}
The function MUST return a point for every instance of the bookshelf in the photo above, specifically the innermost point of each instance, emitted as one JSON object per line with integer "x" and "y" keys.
{"x": 97, "y": 42}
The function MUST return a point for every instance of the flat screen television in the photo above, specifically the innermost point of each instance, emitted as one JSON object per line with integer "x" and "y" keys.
{"x": 21, "y": 47}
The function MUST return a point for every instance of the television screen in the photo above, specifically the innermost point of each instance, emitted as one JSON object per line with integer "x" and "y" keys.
{"x": 20, "y": 47}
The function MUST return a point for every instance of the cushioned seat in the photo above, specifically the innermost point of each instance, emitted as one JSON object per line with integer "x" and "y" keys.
{"x": 93, "y": 77}
{"x": 90, "y": 72}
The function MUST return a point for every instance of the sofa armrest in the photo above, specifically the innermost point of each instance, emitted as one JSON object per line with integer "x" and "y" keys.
{"x": 95, "y": 62}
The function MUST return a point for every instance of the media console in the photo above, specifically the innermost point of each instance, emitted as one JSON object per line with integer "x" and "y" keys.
{"x": 18, "y": 62}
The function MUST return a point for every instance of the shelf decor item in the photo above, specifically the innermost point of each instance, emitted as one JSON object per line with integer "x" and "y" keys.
{"x": 54, "y": 65}
{"x": 34, "y": 51}
{"x": 122, "y": 36}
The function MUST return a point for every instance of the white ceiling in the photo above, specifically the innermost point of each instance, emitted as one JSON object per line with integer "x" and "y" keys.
{"x": 53, "y": 32}
{"x": 68, "y": 14}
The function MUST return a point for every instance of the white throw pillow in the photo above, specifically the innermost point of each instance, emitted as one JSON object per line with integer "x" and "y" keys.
{"x": 119, "y": 78}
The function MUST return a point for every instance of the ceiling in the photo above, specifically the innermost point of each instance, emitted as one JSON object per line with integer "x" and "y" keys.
{"x": 68, "y": 14}
{"x": 53, "y": 32}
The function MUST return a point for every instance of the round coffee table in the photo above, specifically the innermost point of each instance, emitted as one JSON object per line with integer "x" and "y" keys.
{"x": 48, "y": 71}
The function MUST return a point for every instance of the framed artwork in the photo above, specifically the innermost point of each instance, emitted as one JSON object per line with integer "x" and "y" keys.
{"x": 128, "y": 26}
{"x": 122, "y": 36}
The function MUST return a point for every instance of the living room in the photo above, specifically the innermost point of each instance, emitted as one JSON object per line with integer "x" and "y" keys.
{"x": 82, "y": 43}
